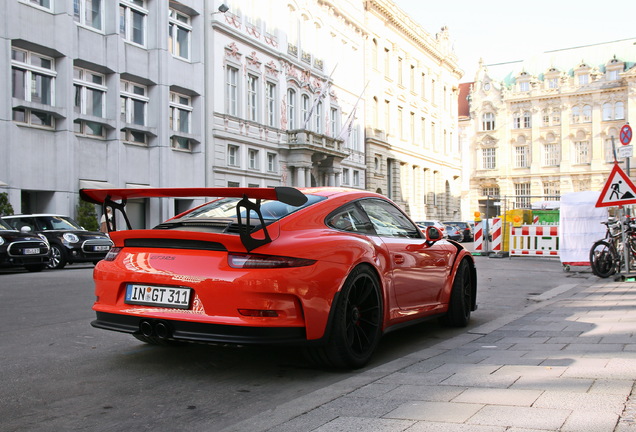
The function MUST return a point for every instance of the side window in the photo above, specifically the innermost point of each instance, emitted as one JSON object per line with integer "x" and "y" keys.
{"x": 350, "y": 218}
{"x": 388, "y": 220}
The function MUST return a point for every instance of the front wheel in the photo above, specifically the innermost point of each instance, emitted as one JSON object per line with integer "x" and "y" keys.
{"x": 604, "y": 259}
{"x": 58, "y": 257}
{"x": 357, "y": 323}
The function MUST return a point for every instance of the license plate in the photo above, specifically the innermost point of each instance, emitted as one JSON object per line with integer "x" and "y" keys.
{"x": 102, "y": 248}
{"x": 150, "y": 295}
{"x": 31, "y": 251}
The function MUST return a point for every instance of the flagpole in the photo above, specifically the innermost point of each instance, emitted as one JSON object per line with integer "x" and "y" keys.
{"x": 320, "y": 96}
{"x": 353, "y": 110}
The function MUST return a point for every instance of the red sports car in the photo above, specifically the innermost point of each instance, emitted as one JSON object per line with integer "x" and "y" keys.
{"x": 330, "y": 269}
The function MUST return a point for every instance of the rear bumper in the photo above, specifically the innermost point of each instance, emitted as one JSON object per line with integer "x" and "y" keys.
{"x": 204, "y": 333}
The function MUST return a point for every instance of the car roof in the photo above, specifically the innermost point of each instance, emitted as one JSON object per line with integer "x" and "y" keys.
{"x": 34, "y": 215}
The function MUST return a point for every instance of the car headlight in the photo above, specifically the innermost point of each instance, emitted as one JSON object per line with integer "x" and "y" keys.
{"x": 1, "y": 241}
{"x": 70, "y": 237}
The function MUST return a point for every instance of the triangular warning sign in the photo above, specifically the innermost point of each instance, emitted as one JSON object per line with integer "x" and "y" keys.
{"x": 618, "y": 190}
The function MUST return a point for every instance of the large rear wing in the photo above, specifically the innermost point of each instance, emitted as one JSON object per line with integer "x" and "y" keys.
{"x": 116, "y": 199}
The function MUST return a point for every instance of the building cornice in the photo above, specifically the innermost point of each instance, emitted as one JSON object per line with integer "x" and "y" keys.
{"x": 403, "y": 23}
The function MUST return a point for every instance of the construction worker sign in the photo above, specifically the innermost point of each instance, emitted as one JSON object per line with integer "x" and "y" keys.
{"x": 618, "y": 190}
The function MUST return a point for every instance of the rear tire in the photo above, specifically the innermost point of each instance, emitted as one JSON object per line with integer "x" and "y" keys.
{"x": 603, "y": 259}
{"x": 357, "y": 323}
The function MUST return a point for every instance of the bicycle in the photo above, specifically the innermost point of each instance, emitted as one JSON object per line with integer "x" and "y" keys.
{"x": 607, "y": 255}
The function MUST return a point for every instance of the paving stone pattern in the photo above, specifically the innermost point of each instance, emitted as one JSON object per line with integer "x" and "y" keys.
{"x": 566, "y": 364}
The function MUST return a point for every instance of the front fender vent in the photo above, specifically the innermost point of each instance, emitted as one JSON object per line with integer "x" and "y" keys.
{"x": 161, "y": 243}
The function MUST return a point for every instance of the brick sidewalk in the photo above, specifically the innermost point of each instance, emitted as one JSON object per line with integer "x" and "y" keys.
{"x": 563, "y": 364}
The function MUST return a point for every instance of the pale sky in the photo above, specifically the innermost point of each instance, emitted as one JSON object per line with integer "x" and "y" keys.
{"x": 500, "y": 31}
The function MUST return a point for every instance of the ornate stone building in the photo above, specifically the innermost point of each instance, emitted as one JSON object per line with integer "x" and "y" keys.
{"x": 544, "y": 126}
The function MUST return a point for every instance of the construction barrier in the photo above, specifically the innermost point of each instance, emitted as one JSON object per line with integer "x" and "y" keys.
{"x": 534, "y": 240}
{"x": 496, "y": 235}
{"x": 479, "y": 237}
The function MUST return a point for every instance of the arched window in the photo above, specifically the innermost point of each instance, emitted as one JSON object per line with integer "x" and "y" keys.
{"x": 527, "y": 119}
{"x": 576, "y": 114}
{"x": 619, "y": 111}
{"x": 587, "y": 114}
{"x": 304, "y": 106}
{"x": 607, "y": 111}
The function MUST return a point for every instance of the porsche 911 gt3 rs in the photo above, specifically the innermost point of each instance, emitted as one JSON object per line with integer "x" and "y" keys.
{"x": 329, "y": 269}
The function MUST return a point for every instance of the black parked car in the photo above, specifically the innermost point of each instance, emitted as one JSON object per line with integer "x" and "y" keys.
{"x": 70, "y": 243}
{"x": 22, "y": 250}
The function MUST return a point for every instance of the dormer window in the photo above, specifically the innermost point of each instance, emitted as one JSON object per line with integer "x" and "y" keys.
{"x": 582, "y": 74}
{"x": 613, "y": 68}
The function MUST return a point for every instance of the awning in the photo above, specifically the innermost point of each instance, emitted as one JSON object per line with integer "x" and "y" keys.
{"x": 95, "y": 184}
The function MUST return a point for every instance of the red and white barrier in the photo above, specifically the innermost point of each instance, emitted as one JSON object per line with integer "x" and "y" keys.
{"x": 497, "y": 236}
{"x": 534, "y": 240}
{"x": 479, "y": 237}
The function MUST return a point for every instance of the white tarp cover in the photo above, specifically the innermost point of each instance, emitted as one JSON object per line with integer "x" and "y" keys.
{"x": 580, "y": 226}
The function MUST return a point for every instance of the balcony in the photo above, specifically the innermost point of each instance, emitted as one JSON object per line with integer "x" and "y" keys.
{"x": 301, "y": 139}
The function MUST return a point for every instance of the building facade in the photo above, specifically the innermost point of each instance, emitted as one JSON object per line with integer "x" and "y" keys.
{"x": 412, "y": 142}
{"x": 544, "y": 126}
{"x": 140, "y": 93}
{"x": 100, "y": 94}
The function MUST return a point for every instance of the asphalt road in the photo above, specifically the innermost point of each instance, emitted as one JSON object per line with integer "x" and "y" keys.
{"x": 59, "y": 373}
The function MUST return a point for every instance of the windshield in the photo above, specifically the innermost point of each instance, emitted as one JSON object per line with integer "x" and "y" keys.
{"x": 225, "y": 209}
{"x": 59, "y": 223}
{"x": 5, "y": 226}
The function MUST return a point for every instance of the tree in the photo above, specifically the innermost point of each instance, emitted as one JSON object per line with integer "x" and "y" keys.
{"x": 6, "y": 208}
{"x": 87, "y": 216}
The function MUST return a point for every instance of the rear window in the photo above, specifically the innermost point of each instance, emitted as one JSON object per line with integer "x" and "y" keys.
{"x": 225, "y": 208}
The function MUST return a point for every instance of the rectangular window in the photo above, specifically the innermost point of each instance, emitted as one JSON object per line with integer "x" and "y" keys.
{"x": 584, "y": 79}
{"x": 492, "y": 191}
{"x": 356, "y": 178}
{"x": 90, "y": 100}
{"x": 400, "y": 71}
{"x": 291, "y": 109}
{"x": 333, "y": 122}
{"x": 271, "y": 162}
{"x": 581, "y": 152}
{"x": 180, "y": 114}
{"x": 552, "y": 190}
{"x": 524, "y": 86}
{"x": 33, "y": 76}
{"x": 231, "y": 91}
{"x": 319, "y": 119}
{"x": 46, "y": 4}
{"x": 400, "y": 121}
{"x": 522, "y": 192}
{"x": 233, "y": 156}
{"x": 553, "y": 83}
{"x": 252, "y": 159}
{"x": 179, "y": 34}
{"x": 551, "y": 155}
{"x": 345, "y": 176}
{"x": 33, "y": 80}
{"x": 133, "y": 110}
{"x": 270, "y": 95}
{"x": 252, "y": 97}
{"x": 521, "y": 157}
{"x": 488, "y": 158}
{"x": 89, "y": 13}
{"x": 132, "y": 21}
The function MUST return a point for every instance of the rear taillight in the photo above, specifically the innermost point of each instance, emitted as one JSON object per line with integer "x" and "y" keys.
{"x": 255, "y": 261}
{"x": 112, "y": 254}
